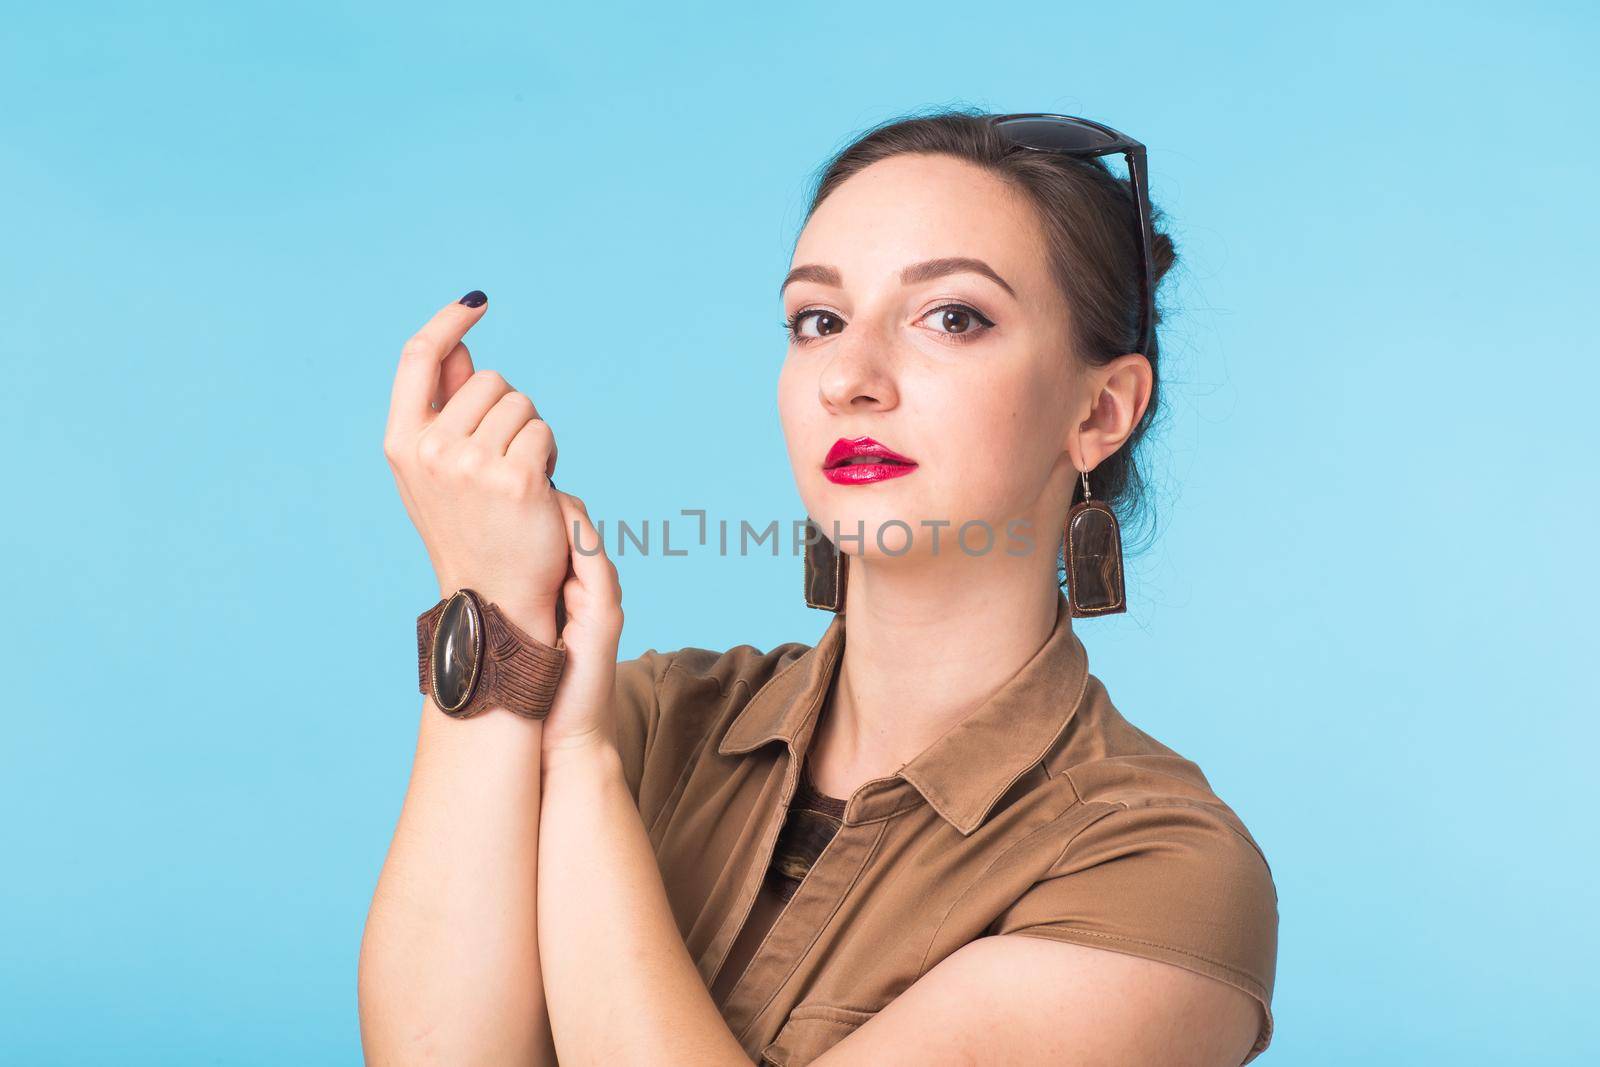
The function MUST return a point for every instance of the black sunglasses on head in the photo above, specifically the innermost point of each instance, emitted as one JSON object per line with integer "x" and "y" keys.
{"x": 1072, "y": 136}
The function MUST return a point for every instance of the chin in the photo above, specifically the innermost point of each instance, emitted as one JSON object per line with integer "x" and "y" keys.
{"x": 892, "y": 513}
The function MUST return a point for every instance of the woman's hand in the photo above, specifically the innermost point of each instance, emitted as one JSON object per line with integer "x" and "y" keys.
{"x": 582, "y": 714}
{"x": 475, "y": 474}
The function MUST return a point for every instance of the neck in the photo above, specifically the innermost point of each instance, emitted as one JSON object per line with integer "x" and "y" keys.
{"x": 927, "y": 641}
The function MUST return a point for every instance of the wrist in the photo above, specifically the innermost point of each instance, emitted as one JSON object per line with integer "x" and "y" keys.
{"x": 474, "y": 654}
{"x": 536, "y": 616}
{"x": 587, "y": 754}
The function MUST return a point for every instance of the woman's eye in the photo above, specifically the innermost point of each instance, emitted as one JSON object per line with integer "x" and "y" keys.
{"x": 826, "y": 323}
{"x": 958, "y": 321}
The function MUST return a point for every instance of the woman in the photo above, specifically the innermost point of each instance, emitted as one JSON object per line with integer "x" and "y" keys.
{"x": 934, "y": 842}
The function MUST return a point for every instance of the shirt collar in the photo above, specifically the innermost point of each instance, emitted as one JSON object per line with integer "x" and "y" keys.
{"x": 972, "y": 765}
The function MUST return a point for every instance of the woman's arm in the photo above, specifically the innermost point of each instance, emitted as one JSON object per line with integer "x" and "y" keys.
{"x": 1022, "y": 999}
{"x": 619, "y": 983}
{"x": 449, "y": 968}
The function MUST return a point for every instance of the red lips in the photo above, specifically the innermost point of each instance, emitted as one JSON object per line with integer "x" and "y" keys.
{"x": 855, "y": 461}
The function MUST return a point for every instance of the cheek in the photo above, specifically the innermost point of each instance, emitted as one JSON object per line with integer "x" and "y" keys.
{"x": 793, "y": 408}
{"x": 991, "y": 445}
{"x": 981, "y": 418}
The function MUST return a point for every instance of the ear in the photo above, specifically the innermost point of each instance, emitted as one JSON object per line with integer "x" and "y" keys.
{"x": 1115, "y": 396}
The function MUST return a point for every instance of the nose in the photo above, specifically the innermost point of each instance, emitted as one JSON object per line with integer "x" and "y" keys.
{"x": 859, "y": 375}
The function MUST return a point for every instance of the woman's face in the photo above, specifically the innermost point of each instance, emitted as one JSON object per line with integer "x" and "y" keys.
{"x": 969, "y": 377}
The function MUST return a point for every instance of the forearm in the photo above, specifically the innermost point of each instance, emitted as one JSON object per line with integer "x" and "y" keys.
{"x": 620, "y": 984}
{"x": 449, "y": 969}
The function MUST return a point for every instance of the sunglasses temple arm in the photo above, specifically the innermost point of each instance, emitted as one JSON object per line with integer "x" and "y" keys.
{"x": 1139, "y": 177}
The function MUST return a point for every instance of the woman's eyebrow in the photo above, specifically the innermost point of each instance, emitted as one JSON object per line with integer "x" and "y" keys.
{"x": 812, "y": 272}
{"x": 918, "y": 272}
{"x": 938, "y": 268}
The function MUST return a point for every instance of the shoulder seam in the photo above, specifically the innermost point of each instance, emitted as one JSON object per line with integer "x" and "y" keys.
{"x": 1191, "y": 805}
{"x": 1007, "y": 851}
{"x": 657, "y": 677}
{"x": 1111, "y": 806}
{"x": 760, "y": 653}
{"x": 672, "y": 661}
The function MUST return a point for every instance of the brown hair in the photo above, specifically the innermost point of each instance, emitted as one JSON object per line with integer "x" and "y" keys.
{"x": 1091, "y": 228}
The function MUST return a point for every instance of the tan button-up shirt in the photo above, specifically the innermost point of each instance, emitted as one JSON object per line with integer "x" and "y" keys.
{"x": 1043, "y": 813}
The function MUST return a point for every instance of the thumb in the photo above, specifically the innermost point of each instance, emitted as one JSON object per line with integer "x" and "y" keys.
{"x": 591, "y": 568}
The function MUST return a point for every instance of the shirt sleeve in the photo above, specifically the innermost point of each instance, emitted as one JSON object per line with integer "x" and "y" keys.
{"x": 638, "y": 712}
{"x": 1174, "y": 882}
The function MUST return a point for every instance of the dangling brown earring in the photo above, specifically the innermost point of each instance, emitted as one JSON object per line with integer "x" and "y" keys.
{"x": 826, "y": 570}
{"x": 1094, "y": 558}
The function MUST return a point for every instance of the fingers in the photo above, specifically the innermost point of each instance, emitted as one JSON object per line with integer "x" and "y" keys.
{"x": 466, "y": 409}
{"x": 590, "y": 565}
{"x": 534, "y": 445}
{"x": 417, "y": 379}
{"x": 453, "y": 374}
{"x": 501, "y": 422}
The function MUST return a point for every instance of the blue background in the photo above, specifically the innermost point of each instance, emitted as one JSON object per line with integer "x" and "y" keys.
{"x": 1366, "y": 613}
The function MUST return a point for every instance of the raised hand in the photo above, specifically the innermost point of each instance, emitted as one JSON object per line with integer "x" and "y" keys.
{"x": 473, "y": 462}
{"x": 583, "y": 712}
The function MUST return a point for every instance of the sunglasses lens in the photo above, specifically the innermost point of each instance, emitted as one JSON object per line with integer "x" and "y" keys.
{"x": 1053, "y": 135}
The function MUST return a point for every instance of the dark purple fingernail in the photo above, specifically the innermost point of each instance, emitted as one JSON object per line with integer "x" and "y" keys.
{"x": 475, "y": 299}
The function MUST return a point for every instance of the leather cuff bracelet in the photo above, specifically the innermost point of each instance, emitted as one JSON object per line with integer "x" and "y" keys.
{"x": 471, "y": 657}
